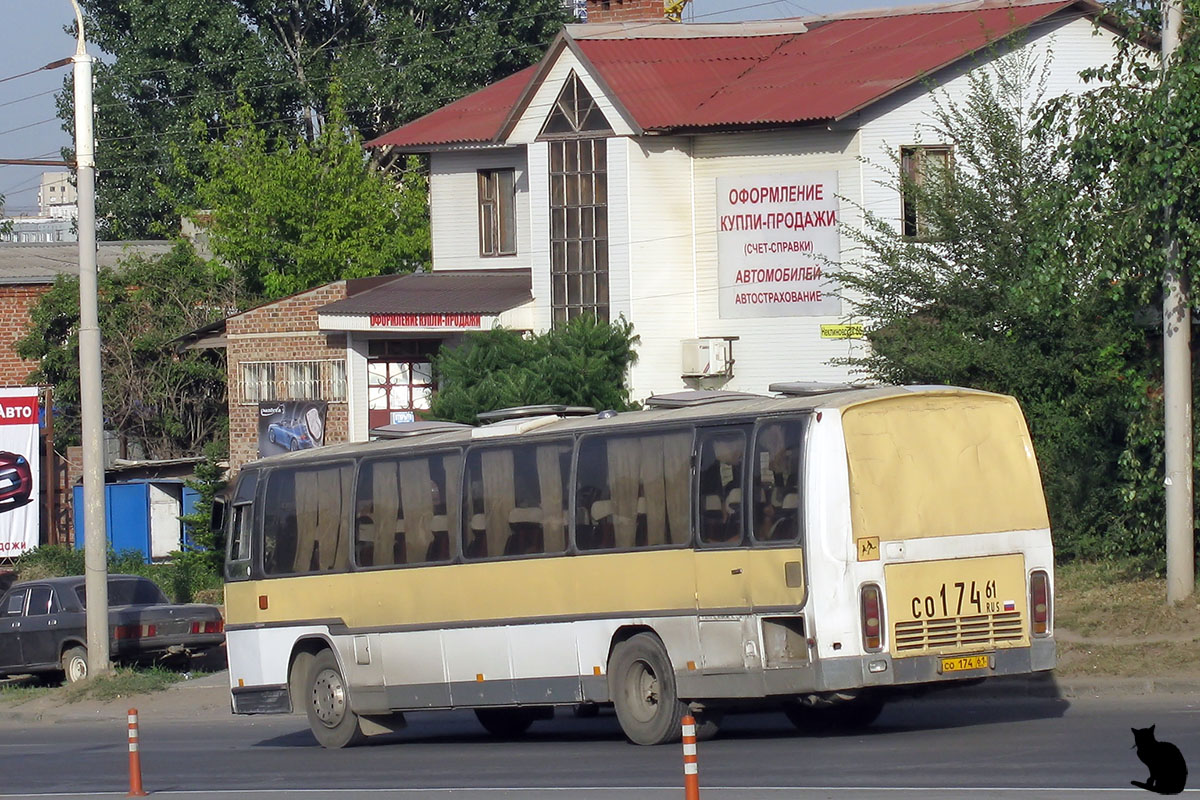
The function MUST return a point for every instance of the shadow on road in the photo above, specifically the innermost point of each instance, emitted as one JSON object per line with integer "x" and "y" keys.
{"x": 942, "y": 711}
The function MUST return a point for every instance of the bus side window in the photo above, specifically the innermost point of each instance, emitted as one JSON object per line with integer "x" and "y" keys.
{"x": 401, "y": 514}
{"x": 719, "y": 482}
{"x": 516, "y": 500}
{"x": 304, "y": 521}
{"x": 775, "y": 470}
{"x": 240, "y": 528}
{"x": 633, "y": 491}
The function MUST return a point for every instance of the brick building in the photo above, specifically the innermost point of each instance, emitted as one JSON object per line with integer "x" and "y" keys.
{"x": 361, "y": 347}
{"x": 27, "y": 271}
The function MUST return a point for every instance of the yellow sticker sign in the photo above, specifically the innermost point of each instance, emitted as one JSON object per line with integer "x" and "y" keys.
{"x": 842, "y": 332}
{"x": 868, "y": 548}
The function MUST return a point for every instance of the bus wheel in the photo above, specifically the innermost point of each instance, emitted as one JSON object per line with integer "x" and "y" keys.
{"x": 329, "y": 715}
{"x": 849, "y": 714}
{"x": 642, "y": 686}
{"x": 507, "y": 723}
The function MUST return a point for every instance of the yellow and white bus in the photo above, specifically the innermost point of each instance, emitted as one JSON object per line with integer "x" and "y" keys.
{"x": 817, "y": 551}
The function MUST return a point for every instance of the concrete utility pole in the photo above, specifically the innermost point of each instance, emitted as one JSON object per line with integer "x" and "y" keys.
{"x": 1177, "y": 386}
{"x": 91, "y": 406}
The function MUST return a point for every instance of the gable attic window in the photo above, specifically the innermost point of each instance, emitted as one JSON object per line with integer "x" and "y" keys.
{"x": 575, "y": 129}
{"x": 575, "y": 113}
{"x": 917, "y": 166}
{"x": 497, "y": 212}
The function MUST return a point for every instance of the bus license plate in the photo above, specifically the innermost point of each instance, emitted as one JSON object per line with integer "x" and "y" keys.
{"x": 964, "y": 663}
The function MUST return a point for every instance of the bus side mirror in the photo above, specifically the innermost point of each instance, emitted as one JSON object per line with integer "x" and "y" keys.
{"x": 216, "y": 520}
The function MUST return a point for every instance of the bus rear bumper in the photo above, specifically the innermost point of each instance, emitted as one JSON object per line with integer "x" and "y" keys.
{"x": 875, "y": 670}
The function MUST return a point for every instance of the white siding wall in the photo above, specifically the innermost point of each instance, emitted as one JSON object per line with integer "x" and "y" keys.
{"x": 539, "y": 231}
{"x": 660, "y": 278}
{"x": 454, "y": 208}
{"x": 770, "y": 348}
{"x": 905, "y": 118}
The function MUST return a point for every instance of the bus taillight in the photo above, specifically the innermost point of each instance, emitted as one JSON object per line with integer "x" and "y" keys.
{"x": 872, "y": 618}
{"x": 1039, "y": 596}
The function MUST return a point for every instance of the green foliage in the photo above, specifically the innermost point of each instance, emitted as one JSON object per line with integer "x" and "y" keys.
{"x": 167, "y": 403}
{"x": 582, "y": 363}
{"x": 995, "y": 294}
{"x": 208, "y": 543}
{"x": 178, "y": 67}
{"x": 289, "y": 215}
{"x": 181, "y": 578}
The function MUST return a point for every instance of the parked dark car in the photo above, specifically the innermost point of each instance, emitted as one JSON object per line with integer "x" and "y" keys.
{"x": 16, "y": 480}
{"x": 43, "y": 625}
{"x": 292, "y": 434}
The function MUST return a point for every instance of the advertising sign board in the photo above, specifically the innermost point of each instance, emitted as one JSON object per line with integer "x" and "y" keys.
{"x": 776, "y": 237}
{"x": 288, "y": 425}
{"x": 19, "y": 462}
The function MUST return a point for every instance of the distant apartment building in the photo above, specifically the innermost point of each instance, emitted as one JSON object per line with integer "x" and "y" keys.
{"x": 55, "y": 220}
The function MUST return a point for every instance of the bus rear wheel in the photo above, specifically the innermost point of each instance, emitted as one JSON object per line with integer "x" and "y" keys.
{"x": 507, "y": 723}
{"x": 642, "y": 686}
{"x": 332, "y": 721}
{"x": 848, "y": 714}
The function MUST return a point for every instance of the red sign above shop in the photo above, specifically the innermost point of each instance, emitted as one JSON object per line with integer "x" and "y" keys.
{"x": 426, "y": 320}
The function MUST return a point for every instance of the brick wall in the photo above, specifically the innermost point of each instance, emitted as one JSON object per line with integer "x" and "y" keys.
{"x": 625, "y": 11}
{"x": 285, "y": 330}
{"x": 15, "y": 304}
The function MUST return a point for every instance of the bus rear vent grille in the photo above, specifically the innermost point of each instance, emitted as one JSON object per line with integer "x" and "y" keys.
{"x": 982, "y": 630}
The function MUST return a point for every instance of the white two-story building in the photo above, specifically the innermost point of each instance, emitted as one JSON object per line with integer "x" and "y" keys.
{"x": 698, "y": 180}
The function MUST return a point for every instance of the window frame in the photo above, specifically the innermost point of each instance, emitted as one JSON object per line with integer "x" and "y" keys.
{"x": 464, "y": 520}
{"x": 746, "y": 428}
{"x": 804, "y": 421}
{"x": 912, "y": 174}
{"x": 452, "y": 489}
{"x": 689, "y": 541}
{"x": 258, "y": 541}
{"x": 497, "y": 212}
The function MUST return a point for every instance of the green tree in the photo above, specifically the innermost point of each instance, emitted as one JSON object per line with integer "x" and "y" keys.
{"x": 992, "y": 294}
{"x": 582, "y": 363}
{"x": 167, "y": 404}
{"x": 209, "y": 480}
{"x": 288, "y": 214}
{"x": 178, "y": 67}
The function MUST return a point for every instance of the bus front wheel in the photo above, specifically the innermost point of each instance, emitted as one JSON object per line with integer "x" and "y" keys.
{"x": 332, "y": 721}
{"x": 642, "y": 687}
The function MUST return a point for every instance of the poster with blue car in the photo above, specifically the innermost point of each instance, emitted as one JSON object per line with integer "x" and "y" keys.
{"x": 285, "y": 426}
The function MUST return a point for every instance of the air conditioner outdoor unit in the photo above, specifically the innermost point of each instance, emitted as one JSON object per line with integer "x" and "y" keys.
{"x": 707, "y": 357}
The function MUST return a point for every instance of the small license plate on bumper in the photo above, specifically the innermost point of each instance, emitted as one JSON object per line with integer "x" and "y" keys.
{"x": 964, "y": 663}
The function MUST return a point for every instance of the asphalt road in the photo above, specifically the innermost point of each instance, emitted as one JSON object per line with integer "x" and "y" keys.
{"x": 935, "y": 748}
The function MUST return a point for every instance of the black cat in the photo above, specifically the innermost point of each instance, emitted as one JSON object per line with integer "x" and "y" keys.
{"x": 1168, "y": 772}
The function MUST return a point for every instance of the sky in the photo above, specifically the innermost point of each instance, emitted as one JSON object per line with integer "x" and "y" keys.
{"x": 31, "y": 35}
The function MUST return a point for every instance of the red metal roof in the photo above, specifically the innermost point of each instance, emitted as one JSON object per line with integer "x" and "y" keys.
{"x": 835, "y": 68}
{"x": 474, "y": 118}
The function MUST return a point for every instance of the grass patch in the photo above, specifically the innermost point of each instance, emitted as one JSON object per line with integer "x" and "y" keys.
{"x": 121, "y": 682}
{"x": 1113, "y": 600}
{"x": 1128, "y": 628}
{"x": 1154, "y": 660}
